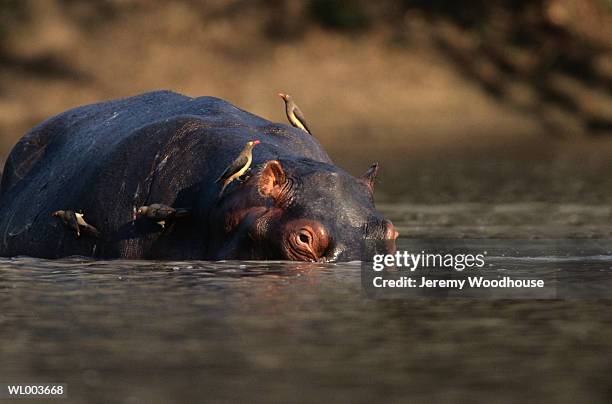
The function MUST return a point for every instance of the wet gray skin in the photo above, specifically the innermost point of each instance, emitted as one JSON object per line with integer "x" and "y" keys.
{"x": 107, "y": 159}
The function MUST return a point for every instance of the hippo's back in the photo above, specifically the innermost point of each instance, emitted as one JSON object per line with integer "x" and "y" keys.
{"x": 106, "y": 158}
{"x": 85, "y": 134}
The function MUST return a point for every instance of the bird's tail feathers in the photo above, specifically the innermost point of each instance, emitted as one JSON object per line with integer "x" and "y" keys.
{"x": 222, "y": 189}
{"x": 91, "y": 231}
{"x": 180, "y": 212}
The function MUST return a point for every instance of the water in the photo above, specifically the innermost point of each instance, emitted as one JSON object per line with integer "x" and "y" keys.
{"x": 143, "y": 331}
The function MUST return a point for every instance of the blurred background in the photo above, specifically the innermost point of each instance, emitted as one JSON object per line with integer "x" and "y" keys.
{"x": 492, "y": 102}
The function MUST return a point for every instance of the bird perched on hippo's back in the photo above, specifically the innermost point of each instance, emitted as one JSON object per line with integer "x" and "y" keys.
{"x": 238, "y": 167}
{"x": 160, "y": 213}
{"x": 294, "y": 114}
{"x": 76, "y": 221}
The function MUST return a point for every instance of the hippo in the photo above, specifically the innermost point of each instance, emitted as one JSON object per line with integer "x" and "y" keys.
{"x": 106, "y": 159}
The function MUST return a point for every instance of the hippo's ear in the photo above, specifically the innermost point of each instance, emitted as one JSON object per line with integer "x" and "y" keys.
{"x": 369, "y": 177}
{"x": 272, "y": 180}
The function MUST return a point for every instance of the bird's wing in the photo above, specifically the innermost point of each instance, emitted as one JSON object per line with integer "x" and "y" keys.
{"x": 233, "y": 168}
{"x": 80, "y": 219}
{"x": 300, "y": 116}
{"x": 71, "y": 220}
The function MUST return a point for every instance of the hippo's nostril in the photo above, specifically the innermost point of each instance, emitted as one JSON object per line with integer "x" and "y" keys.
{"x": 390, "y": 232}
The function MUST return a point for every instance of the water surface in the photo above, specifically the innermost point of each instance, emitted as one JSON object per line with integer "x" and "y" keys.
{"x": 145, "y": 331}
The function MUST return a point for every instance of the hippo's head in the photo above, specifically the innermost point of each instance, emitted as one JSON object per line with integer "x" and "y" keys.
{"x": 313, "y": 212}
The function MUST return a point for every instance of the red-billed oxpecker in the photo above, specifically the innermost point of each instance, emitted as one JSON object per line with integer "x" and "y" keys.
{"x": 76, "y": 222}
{"x": 294, "y": 114}
{"x": 238, "y": 166}
{"x": 160, "y": 213}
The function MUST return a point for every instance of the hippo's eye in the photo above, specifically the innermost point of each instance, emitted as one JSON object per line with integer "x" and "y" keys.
{"x": 304, "y": 237}
{"x": 306, "y": 240}
{"x": 303, "y": 244}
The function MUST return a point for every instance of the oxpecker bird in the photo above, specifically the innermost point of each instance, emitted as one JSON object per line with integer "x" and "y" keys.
{"x": 76, "y": 221}
{"x": 294, "y": 114}
{"x": 238, "y": 166}
{"x": 160, "y": 213}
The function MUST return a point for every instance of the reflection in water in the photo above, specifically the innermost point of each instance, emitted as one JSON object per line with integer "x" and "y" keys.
{"x": 160, "y": 331}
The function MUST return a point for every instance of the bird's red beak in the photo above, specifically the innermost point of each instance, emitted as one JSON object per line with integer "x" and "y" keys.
{"x": 256, "y": 142}
{"x": 281, "y": 95}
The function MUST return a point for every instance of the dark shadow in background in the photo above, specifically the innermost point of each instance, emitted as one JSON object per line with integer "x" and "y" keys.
{"x": 504, "y": 43}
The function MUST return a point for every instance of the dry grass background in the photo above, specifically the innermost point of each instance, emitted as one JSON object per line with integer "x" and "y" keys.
{"x": 388, "y": 93}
